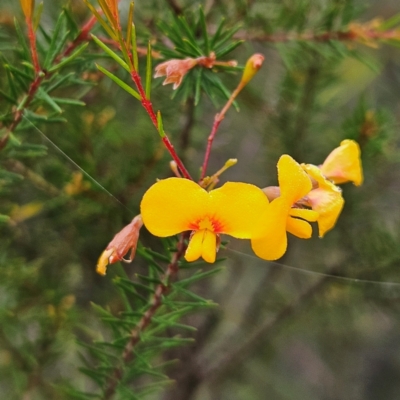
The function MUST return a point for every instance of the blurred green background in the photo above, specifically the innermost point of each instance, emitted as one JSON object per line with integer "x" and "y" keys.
{"x": 321, "y": 323}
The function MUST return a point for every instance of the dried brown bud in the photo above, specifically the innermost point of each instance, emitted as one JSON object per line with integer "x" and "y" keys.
{"x": 122, "y": 242}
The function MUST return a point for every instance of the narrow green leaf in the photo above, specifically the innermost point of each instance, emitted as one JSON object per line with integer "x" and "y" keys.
{"x": 228, "y": 49}
{"x": 135, "y": 285}
{"x": 101, "y": 20}
{"x": 100, "y": 310}
{"x": 18, "y": 72}
{"x": 192, "y": 295}
{"x": 73, "y": 26}
{"x": 217, "y": 34}
{"x": 10, "y": 99}
{"x": 204, "y": 30}
{"x": 47, "y": 99}
{"x": 196, "y": 50}
{"x": 159, "y": 256}
{"x": 59, "y": 81}
{"x": 144, "y": 253}
{"x": 60, "y": 44}
{"x": 198, "y": 276}
{"x": 111, "y": 53}
{"x": 149, "y": 71}
{"x": 37, "y": 15}
{"x": 172, "y": 324}
{"x": 22, "y": 41}
{"x": 197, "y": 92}
{"x": 11, "y": 84}
{"x": 68, "y": 59}
{"x": 120, "y": 83}
{"x": 148, "y": 279}
{"x": 71, "y": 102}
{"x": 226, "y": 37}
{"x": 390, "y": 23}
{"x": 94, "y": 375}
{"x": 186, "y": 28}
{"x": 160, "y": 126}
{"x": 134, "y": 49}
{"x": 45, "y": 35}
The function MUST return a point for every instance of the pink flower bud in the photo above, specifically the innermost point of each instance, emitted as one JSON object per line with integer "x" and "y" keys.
{"x": 174, "y": 70}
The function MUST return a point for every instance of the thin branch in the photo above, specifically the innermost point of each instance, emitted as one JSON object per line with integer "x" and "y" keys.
{"x": 156, "y": 302}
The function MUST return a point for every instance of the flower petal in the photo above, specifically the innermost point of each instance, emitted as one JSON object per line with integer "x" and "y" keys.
{"x": 202, "y": 243}
{"x": 173, "y": 205}
{"x": 308, "y": 215}
{"x": 239, "y": 208}
{"x": 209, "y": 250}
{"x": 299, "y": 228}
{"x": 327, "y": 200}
{"x": 293, "y": 181}
{"x": 343, "y": 164}
{"x": 272, "y": 244}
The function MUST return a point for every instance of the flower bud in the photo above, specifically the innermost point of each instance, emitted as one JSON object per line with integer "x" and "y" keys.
{"x": 253, "y": 64}
{"x": 27, "y": 7}
{"x": 122, "y": 242}
{"x": 174, "y": 70}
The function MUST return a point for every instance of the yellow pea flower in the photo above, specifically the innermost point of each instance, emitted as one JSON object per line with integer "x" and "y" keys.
{"x": 270, "y": 242}
{"x": 175, "y": 205}
{"x": 326, "y": 199}
{"x": 344, "y": 164}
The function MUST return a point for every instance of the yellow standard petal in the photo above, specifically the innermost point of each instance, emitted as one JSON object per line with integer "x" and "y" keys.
{"x": 293, "y": 181}
{"x": 344, "y": 164}
{"x": 238, "y": 209}
{"x": 173, "y": 205}
{"x": 327, "y": 200}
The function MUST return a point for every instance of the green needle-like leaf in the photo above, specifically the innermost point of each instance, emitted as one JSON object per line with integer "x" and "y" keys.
{"x": 111, "y": 53}
{"x": 68, "y": 59}
{"x": 119, "y": 82}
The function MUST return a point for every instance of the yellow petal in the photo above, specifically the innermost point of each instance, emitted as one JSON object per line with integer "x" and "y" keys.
{"x": 299, "y": 228}
{"x": 293, "y": 181}
{"x": 308, "y": 215}
{"x": 272, "y": 244}
{"x": 203, "y": 243}
{"x": 344, "y": 164}
{"x": 239, "y": 208}
{"x": 173, "y": 205}
{"x": 209, "y": 251}
{"x": 327, "y": 200}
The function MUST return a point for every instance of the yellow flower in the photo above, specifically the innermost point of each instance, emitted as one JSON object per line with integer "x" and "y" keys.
{"x": 175, "y": 205}
{"x": 270, "y": 242}
{"x": 344, "y": 164}
{"x": 326, "y": 199}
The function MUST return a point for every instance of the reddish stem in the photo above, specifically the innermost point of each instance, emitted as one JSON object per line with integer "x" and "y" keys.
{"x": 147, "y": 105}
{"x": 210, "y": 140}
{"x": 32, "y": 42}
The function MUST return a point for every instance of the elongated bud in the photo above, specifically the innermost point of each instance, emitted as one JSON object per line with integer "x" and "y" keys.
{"x": 27, "y": 8}
{"x": 253, "y": 64}
{"x": 122, "y": 242}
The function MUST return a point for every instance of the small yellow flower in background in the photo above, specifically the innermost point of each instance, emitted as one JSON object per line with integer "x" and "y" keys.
{"x": 344, "y": 164}
{"x": 270, "y": 242}
{"x": 175, "y": 205}
{"x": 326, "y": 199}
